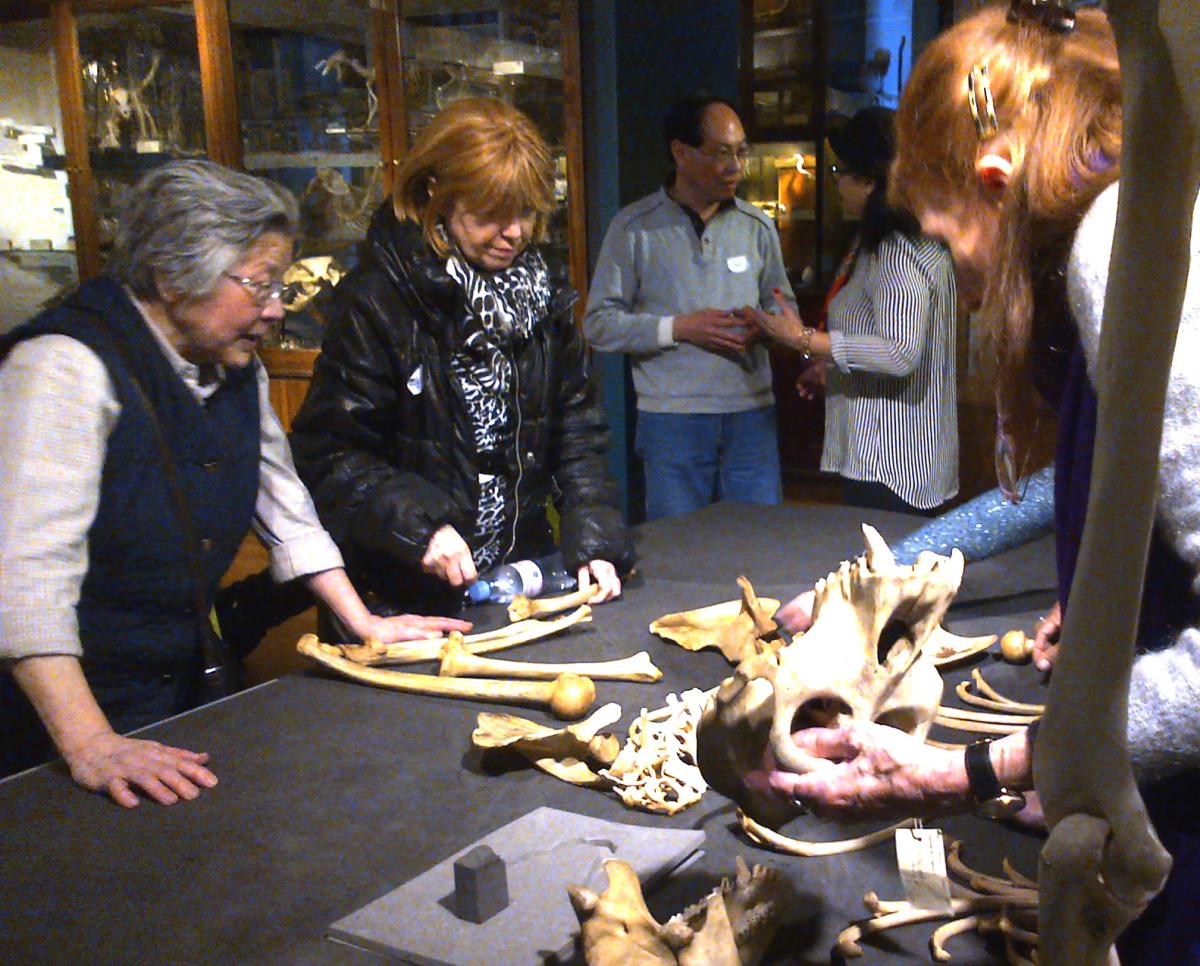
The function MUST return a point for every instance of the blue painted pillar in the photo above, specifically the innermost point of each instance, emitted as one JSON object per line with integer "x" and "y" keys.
{"x": 637, "y": 59}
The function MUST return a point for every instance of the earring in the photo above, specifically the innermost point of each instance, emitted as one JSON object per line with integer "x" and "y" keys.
{"x": 994, "y": 170}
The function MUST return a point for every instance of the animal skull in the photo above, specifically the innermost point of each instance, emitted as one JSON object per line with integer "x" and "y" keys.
{"x": 864, "y": 658}
{"x": 732, "y": 926}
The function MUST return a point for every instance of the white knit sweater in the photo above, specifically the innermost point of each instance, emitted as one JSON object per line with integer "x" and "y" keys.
{"x": 1164, "y": 696}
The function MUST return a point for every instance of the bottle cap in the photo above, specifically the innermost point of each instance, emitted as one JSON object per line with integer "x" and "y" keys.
{"x": 479, "y": 591}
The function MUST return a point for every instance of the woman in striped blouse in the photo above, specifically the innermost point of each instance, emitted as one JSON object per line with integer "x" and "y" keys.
{"x": 891, "y": 428}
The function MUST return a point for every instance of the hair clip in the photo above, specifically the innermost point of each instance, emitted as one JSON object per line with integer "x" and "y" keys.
{"x": 985, "y": 122}
{"x": 1044, "y": 13}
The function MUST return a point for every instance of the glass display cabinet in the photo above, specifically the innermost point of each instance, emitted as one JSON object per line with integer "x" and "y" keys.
{"x": 322, "y": 96}
{"x": 806, "y": 68}
{"x": 511, "y": 51}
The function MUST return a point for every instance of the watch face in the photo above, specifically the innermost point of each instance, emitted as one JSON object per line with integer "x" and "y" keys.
{"x": 1004, "y": 805}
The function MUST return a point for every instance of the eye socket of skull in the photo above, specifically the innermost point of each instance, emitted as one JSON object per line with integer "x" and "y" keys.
{"x": 896, "y": 633}
{"x": 822, "y": 711}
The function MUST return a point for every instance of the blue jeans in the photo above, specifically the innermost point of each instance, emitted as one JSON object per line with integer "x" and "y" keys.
{"x": 694, "y": 459}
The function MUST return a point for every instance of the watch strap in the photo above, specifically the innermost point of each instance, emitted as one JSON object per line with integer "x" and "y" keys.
{"x": 981, "y": 776}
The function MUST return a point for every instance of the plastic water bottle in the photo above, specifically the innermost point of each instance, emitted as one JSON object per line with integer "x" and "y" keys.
{"x": 530, "y": 578}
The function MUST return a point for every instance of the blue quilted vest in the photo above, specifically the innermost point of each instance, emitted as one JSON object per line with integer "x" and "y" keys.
{"x": 137, "y": 621}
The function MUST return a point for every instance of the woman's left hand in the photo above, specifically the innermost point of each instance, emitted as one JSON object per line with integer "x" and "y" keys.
{"x": 608, "y": 584}
{"x": 868, "y": 771}
{"x": 408, "y": 627}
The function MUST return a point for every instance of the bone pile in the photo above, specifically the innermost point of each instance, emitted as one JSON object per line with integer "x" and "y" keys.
{"x": 1005, "y": 906}
{"x": 656, "y": 770}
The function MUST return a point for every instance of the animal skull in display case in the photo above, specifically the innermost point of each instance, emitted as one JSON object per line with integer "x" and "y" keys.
{"x": 868, "y": 656}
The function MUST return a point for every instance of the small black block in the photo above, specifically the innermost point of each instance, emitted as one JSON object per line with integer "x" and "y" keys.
{"x": 480, "y": 884}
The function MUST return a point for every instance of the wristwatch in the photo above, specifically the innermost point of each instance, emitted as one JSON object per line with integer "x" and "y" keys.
{"x": 992, "y": 800}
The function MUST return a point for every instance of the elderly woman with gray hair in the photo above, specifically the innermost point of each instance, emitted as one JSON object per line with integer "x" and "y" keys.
{"x": 138, "y": 446}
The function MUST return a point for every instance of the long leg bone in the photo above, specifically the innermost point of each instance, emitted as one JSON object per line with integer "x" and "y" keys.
{"x": 523, "y": 608}
{"x": 567, "y": 697}
{"x": 497, "y": 640}
{"x": 458, "y": 662}
{"x": 781, "y": 843}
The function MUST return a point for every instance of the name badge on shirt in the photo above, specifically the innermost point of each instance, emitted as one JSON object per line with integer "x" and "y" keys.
{"x": 737, "y": 263}
{"x": 415, "y": 382}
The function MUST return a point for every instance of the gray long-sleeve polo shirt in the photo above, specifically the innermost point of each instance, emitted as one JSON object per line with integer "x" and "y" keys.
{"x": 652, "y": 267}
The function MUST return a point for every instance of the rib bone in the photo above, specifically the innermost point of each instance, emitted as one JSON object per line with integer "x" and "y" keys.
{"x": 567, "y": 697}
{"x": 762, "y": 835}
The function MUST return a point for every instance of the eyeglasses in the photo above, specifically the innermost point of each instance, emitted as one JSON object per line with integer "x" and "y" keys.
{"x": 841, "y": 171}
{"x": 261, "y": 292}
{"x": 726, "y": 157}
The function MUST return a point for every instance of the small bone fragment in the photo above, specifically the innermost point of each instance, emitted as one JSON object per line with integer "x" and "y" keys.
{"x": 480, "y": 885}
{"x": 1016, "y": 647}
{"x": 523, "y": 608}
{"x": 458, "y": 662}
{"x": 572, "y": 754}
{"x": 482, "y": 643}
{"x": 569, "y": 696}
{"x": 781, "y": 843}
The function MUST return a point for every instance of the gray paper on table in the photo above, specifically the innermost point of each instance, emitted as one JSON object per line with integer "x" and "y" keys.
{"x": 545, "y": 851}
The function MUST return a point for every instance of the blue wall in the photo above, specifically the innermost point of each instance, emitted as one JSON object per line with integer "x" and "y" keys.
{"x": 638, "y": 58}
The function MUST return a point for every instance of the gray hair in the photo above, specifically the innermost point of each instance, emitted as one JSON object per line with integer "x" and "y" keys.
{"x": 185, "y": 223}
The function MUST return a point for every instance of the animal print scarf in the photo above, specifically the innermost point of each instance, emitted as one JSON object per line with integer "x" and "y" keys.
{"x": 502, "y": 309}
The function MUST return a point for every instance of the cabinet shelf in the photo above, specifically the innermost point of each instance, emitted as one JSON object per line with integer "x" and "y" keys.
{"x": 118, "y": 161}
{"x": 277, "y": 160}
{"x": 450, "y": 46}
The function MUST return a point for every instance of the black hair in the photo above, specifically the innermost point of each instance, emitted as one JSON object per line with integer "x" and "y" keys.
{"x": 879, "y": 219}
{"x": 865, "y": 146}
{"x": 684, "y": 120}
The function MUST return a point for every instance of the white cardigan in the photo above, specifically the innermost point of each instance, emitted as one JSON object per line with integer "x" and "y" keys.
{"x": 1164, "y": 697}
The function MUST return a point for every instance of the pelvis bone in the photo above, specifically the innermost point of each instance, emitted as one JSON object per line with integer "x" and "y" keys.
{"x": 867, "y": 656}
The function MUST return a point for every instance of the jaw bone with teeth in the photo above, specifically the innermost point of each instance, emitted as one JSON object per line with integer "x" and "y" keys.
{"x": 866, "y": 657}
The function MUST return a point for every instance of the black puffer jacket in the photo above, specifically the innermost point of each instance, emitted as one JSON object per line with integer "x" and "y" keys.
{"x": 384, "y": 441}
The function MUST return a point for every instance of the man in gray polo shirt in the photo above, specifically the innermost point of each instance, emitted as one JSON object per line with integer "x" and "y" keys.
{"x": 674, "y": 269}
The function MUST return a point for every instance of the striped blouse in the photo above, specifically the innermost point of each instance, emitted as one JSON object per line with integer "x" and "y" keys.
{"x": 890, "y": 404}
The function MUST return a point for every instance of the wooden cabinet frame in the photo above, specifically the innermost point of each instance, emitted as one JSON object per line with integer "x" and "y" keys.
{"x": 222, "y": 127}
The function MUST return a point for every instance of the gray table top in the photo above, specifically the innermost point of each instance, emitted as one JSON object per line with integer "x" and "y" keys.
{"x": 332, "y": 794}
